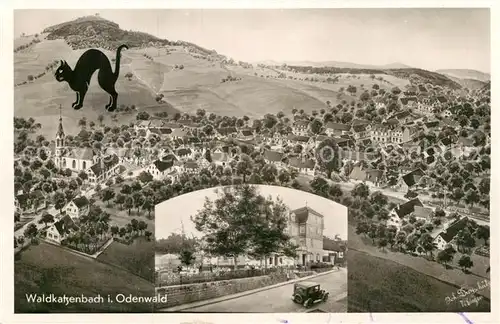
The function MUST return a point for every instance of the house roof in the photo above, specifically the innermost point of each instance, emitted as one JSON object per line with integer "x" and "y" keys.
{"x": 172, "y": 125}
{"x": 81, "y": 201}
{"x": 246, "y": 132}
{"x": 191, "y": 165}
{"x": 413, "y": 177}
{"x": 163, "y": 165}
{"x": 105, "y": 164}
{"x": 226, "y": 130}
{"x": 301, "y": 123}
{"x": 359, "y": 122}
{"x": 453, "y": 229}
{"x": 183, "y": 151}
{"x": 359, "y": 128}
{"x": 301, "y": 163}
{"x": 297, "y": 138}
{"x": 178, "y": 132}
{"x": 143, "y": 123}
{"x": 338, "y": 126}
{"x": 156, "y": 123}
{"x": 408, "y": 207}
{"x": 85, "y": 153}
{"x": 220, "y": 157}
{"x": 358, "y": 173}
{"x": 333, "y": 245}
{"x": 161, "y": 131}
{"x": 65, "y": 225}
{"x": 302, "y": 214}
{"x": 273, "y": 156}
{"x": 422, "y": 212}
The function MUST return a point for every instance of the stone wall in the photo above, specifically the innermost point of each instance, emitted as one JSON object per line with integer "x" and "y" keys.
{"x": 184, "y": 294}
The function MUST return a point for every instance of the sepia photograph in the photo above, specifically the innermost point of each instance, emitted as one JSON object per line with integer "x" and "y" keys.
{"x": 240, "y": 160}
{"x": 251, "y": 248}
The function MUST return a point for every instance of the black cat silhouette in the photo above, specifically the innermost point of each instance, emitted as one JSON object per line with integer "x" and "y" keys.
{"x": 79, "y": 77}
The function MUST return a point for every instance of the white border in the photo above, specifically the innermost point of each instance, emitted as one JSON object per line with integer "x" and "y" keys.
{"x": 6, "y": 191}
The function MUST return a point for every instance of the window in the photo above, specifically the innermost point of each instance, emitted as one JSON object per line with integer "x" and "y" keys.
{"x": 302, "y": 230}
{"x": 84, "y": 165}
{"x": 74, "y": 164}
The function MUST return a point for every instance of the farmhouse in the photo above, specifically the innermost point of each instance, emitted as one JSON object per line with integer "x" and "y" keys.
{"x": 61, "y": 229}
{"x": 302, "y": 165}
{"x": 300, "y": 128}
{"x": 77, "y": 208}
{"x": 397, "y": 215}
{"x": 361, "y": 174}
{"x": 409, "y": 180}
{"x": 448, "y": 236}
{"x": 274, "y": 157}
{"x": 336, "y": 129}
{"x": 160, "y": 168}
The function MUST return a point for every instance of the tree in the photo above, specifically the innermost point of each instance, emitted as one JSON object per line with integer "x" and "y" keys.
{"x": 30, "y": 78}
{"x": 316, "y": 126}
{"x": 186, "y": 257}
{"x": 148, "y": 205}
{"x": 145, "y": 177}
{"x": 59, "y": 201}
{"x": 483, "y": 232}
{"x": 320, "y": 186}
{"x": 360, "y": 190}
{"x": 283, "y": 176}
{"x": 142, "y": 115}
{"x": 445, "y": 256}
{"x": 327, "y": 156}
{"x": 269, "y": 173}
{"x": 47, "y": 218}
{"x": 107, "y": 194}
{"x": 244, "y": 167}
{"x": 465, "y": 263}
{"x": 114, "y": 230}
{"x": 31, "y": 231}
{"x": 129, "y": 203}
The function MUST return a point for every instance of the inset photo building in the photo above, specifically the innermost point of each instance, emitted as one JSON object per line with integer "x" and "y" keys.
{"x": 293, "y": 235}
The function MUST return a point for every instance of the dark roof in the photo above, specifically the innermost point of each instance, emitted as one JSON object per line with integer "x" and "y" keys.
{"x": 161, "y": 131}
{"x": 402, "y": 114}
{"x": 163, "y": 165}
{"x": 442, "y": 99}
{"x": 408, "y": 207}
{"x": 297, "y": 138}
{"x": 183, "y": 151}
{"x": 453, "y": 229}
{"x": 246, "y": 133}
{"x": 359, "y": 122}
{"x": 432, "y": 124}
{"x": 105, "y": 164}
{"x": 338, "y": 126}
{"x": 60, "y": 130}
{"x": 226, "y": 130}
{"x": 65, "y": 225}
{"x": 301, "y": 163}
{"x": 191, "y": 165}
{"x": 359, "y": 128}
{"x": 413, "y": 177}
{"x": 169, "y": 157}
{"x": 274, "y": 156}
{"x": 22, "y": 199}
{"x": 302, "y": 214}
{"x": 301, "y": 123}
{"x": 333, "y": 245}
{"x": 81, "y": 201}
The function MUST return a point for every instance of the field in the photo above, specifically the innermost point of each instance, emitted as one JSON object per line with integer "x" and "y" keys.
{"x": 197, "y": 86}
{"x": 137, "y": 257}
{"x": 380, "y": 285}
{"x": 48, "y": 269}
{"x": 433, "y": 269}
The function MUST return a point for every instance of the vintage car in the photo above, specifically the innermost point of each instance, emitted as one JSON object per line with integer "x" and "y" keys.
{"x": 308, "y": 293}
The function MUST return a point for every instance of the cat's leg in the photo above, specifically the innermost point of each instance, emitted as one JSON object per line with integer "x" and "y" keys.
{"x": 81, "y": 97}
{"x": 77, "y": 100}
{"x": 114, "y": 97}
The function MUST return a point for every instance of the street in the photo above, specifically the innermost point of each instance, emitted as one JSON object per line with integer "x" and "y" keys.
{"x": 278, "y": 300}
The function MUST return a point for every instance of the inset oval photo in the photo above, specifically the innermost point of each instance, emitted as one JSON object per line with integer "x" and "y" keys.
{"x": 251, "y": 248}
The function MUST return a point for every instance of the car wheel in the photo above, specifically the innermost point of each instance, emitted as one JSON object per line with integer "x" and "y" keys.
{"x": 308, "y": 303}
{"x": 325, "y": 297}
{"x": 297, "y": 299}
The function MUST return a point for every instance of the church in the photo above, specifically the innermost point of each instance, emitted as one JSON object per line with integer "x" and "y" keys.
{"x": 74, "y": 158}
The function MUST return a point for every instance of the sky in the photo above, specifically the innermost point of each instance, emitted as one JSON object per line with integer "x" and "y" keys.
{"x": 174, "y": 213}
{"x": 431, "y": 39}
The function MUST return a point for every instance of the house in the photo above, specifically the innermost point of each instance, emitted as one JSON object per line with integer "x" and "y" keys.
{"x": 246, "y": 135}
{"x": 404, "y": 116}
{"x": 78, "y": 207}
{"x": 397, "y": 215}
{"x": 142, "y": 125}
{"x": 162, "y": 132}
{"x": 227, "y": 131}
{"x": 409, "y": 102}
{"x": 371, "y": 176}
{"x": 360, "y": 131}
{"x": 188, "y": 124}
{"x": 425, "y": 109}
{"x": 298, "y": 139}
{"x": 104, "y": 169}
{"x": 178, "y": 133}
{"x": 160, "y": 168}
{"x": 334, "y": 251}
{"x": 304, "y": 166}
{"x": 274, "y": 157}
{"x": 219, "y": 157}
{"x": 300, "y": 128}
{"x": 448, "y": 236}
{"x": 446, "y": 113}
{"x": 336, "y": 129}
{"x": 61, "y": 229}
{"x": 190, "y": 167}
{"x": 409, "y": 180}
{"x": 305, "y": 227}
{"x": 423, "y": 213}
{"x": 184, "y": 153}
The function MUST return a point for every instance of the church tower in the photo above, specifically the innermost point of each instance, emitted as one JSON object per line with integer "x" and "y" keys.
{"x": 60, "y": 140}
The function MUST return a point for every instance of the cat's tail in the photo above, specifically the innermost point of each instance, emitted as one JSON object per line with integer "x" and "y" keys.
{"x": 118, "y": 57}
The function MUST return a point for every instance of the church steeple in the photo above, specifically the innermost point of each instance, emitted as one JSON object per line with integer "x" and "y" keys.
{"x": 60, "y": 130}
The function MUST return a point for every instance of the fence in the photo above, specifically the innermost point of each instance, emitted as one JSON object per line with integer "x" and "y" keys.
{"x": 173, "y": 279}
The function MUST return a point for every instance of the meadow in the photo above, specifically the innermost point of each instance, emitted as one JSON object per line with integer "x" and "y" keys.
{"x": 49, "y": 269}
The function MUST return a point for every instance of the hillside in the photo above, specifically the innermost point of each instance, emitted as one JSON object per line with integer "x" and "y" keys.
{"x": 189, "y": 77}
{"x": 471, "y": 84}
{"x": 337, "y": 64}
{"x": 466, "y": 74}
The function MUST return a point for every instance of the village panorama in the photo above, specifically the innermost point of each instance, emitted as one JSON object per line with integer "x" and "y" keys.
{"x": 405, "y": 151}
